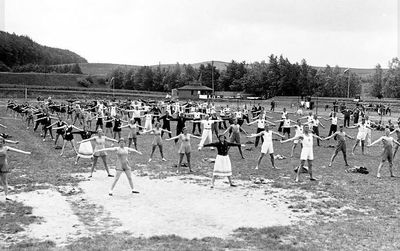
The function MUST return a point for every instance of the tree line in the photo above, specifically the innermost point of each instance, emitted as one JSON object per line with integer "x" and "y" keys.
{"x": 278, "y": 76}
{"x": 386, "y": 83}
{"x": 18, "y": 50}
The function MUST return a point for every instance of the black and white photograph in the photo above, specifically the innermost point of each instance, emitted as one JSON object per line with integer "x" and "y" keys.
{"x": 199, "y": 125}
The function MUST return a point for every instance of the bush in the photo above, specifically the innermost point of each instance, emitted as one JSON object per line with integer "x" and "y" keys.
{"x": 101, "y": 81}
{"x": 4, "y": 67}
{"x": 84, "y": 82}
{"x": 90, "y": 79}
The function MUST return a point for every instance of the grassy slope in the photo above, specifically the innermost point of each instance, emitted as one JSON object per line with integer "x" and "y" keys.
{"x": 376, "y": 229}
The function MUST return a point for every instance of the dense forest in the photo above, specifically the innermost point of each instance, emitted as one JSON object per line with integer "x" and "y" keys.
{"x": 278, "y": 76}
{"x": 18, "y": 50}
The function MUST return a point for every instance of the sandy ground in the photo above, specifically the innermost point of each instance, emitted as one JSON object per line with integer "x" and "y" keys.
{"x": 182, "y": 205}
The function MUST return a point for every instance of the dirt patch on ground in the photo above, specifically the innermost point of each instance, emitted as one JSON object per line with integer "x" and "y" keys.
{"x": 185, "y": 206}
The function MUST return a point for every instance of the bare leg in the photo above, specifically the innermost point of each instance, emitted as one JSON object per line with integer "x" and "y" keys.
{"x": 333, "y": 158}
{"x": 180, "y": 162}
{"x": 188, "y": 161}
{"x": 212, "y": 181}
{"x": 104, "y": 158}
{"x": 4, "y": 181}
{"x": 355, "y": 145}
{"x": 378, "y": 175}
{"x": 362, "y": 146}
{"x": 272, "y": 160}
{"x": 152, "y": 152}
{"x": 63, "y": 147}
{"x": 118, "y": 174}
{"x": 240, "y": 151}
{"x": 310, "y": 169}
{"x": 230, "y": 181}
{"x": 293, "y": 147}
{"x": 259, "y": 160}
{"x": 129, "y": 176}
{"x": 161, "y": 152}
{"x": 299, "y": 170}
{"x": 93, "y": 165}
{"x": 391, "y": 169}
{"x": 345, "y": 158}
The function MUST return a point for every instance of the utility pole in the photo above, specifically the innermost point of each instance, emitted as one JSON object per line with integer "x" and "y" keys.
{"x": 212, "y": 78}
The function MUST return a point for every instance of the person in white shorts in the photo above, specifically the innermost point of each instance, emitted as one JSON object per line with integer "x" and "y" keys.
{"x": 267, "y": 145}
{"x": 361, "y": 135}
{"x": 307, "y": 153}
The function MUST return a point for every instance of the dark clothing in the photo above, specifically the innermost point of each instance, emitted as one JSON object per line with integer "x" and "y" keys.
{"x": 346, "y": 114}
{"x": 85, "y": 134}
{"x": 222, "y": 148}
{"x": 117, "y": 125}
{"x": 179, "y": 125}
{"x": 166, "y": 123}
{"x": 258, "y": 137}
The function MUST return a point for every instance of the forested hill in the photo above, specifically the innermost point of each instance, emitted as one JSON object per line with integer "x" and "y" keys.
{"x": 18, "y": 50}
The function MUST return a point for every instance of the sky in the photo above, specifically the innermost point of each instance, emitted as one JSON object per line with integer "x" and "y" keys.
{"x": 348, "y": 33}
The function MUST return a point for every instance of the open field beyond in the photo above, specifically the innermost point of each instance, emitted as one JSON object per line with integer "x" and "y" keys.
{"x": 56, "y": 206}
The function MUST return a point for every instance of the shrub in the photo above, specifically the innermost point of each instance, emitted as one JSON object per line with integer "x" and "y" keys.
{"x": 84, "y": 82}
{"x": 4, "y": 67}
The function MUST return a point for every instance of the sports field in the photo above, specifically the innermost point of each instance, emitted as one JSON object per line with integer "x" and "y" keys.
{"x": 56, "y": 206}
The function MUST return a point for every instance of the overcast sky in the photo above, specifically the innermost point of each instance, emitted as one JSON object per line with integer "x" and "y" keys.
{"x": 349, "y": 33}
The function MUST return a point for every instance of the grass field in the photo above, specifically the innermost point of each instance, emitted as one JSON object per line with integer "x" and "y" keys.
{"x": 370, "y": 206}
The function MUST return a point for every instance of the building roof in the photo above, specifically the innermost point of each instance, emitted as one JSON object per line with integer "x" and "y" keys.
{"x": 195, "y": 88}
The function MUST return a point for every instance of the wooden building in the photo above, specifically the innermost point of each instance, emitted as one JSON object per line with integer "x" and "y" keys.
{"x": 194, "y": 91}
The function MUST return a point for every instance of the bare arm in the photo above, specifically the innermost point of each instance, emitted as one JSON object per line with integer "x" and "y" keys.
{"x": 333, "y": 135}
{"x": 176, "y": 137}
{"x": 278, "y": 134}
{"x": 376, "y": 141}
{"x": 17, "y": 150}
{"x": 134, "y": 150}
{"x": 110, "y": 139}
{"x": 291, "y": 139}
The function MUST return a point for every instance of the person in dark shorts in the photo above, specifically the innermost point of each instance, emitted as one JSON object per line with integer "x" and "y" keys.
{"x": 341, "y": 144}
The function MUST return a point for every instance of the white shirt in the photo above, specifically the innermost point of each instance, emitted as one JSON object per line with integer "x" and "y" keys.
{"x": 298, "y": 130}
{"x": 334, "y": 120}
{"x": 196, "y": 115}
{"x": 315, "y": 122}
{"x": 267, "y": 136}
{"x": 307, "y": 140}
{"x": 284, "y": 115}
{"x": 286, "y": 123}
{"x": 261, "y": 123}
{"x": 207, "y": 123}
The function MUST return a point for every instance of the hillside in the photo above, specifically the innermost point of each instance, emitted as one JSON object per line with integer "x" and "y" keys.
{"x": 18, "y": 50}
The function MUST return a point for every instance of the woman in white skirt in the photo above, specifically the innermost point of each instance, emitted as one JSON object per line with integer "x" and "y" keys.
{"x": 85, "y": 149}
{"x": 222, "y": 166}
